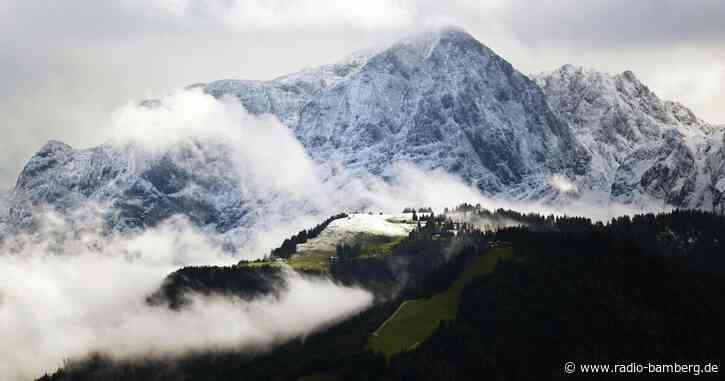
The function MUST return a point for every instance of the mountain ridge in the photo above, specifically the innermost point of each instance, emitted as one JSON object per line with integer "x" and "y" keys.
{"x": 643, "y": 148}
{"x": 400, "y": 96}
{"x": 438, "y": 100}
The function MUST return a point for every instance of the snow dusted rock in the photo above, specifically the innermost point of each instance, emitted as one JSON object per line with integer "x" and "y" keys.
{"x": 141, "y": 188}
{"x": 715, "y": 167}
{"x": 349, "y": 229}
{"x": 440, "y": 99}
{"x": 4, "y": 205}
{"x": 642, "y": 149}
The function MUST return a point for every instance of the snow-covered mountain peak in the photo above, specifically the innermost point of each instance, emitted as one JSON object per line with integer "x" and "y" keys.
{"x": 52, "y": 147}
{"x": 579, "y": 94}
{"x": 629, "y": 76}
{"x": 450, "y": 42}
{"x": 643, "y": 148}
{"x": 436, "y": 100}
{"x": 424, "y": 42}
{"x": 50, "y": 154}
{"x": 685, "y": 116}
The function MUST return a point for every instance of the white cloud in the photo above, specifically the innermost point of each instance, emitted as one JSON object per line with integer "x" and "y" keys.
{"x": 64, "y": 70}
{"x": 701, "y": 86}
{"x": 87, "y": 57}
{"x": 69, "y": 289}
{"x": 92, "y": 298}
{"x": 264, "y": 151}
{"x": 246, "y": 15}
{"x": 562, "y": 184}
{"x": 315, "y": 13}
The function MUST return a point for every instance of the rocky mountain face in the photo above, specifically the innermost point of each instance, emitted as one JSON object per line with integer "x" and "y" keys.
{"x": 134, "y": 187}
{"x": 4, "y": 205}
{"x": 439, "y": 99}
{"x": 643, "y": 149}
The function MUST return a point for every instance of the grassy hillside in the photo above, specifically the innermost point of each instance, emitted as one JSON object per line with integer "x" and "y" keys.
{"x": 319, "y": 259}
{"x": 415, "y": 320}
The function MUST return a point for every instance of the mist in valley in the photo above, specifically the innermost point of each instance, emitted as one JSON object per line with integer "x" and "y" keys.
{"x": 69, "y": 287}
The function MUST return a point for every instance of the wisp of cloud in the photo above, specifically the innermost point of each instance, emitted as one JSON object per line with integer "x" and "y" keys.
{"x": 91, "y": 298}
{"x": 69, "y": 289}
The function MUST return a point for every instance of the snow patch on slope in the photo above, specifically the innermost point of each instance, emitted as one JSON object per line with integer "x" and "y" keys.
{"x": 346, "y": 230}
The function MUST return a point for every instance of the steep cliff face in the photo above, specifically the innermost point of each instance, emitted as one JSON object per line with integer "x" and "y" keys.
{"x": 643, "y": 149}
{"x": 439, "y": 100}
{"x": 715, "y": 168}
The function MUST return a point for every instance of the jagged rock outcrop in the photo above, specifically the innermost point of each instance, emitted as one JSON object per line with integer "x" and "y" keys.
{"x": 439, "y": 100}
{"x": 141, "y": 187}
{"x": 643, "y": 149}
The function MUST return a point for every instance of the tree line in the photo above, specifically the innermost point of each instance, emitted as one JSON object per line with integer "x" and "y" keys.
{"x": 289, "y": 245}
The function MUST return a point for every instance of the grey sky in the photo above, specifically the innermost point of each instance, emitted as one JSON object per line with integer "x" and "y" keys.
{"x": 64, "y": 66}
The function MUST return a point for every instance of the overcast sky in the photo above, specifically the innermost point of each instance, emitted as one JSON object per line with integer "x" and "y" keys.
{"x": 65, "y": 65}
